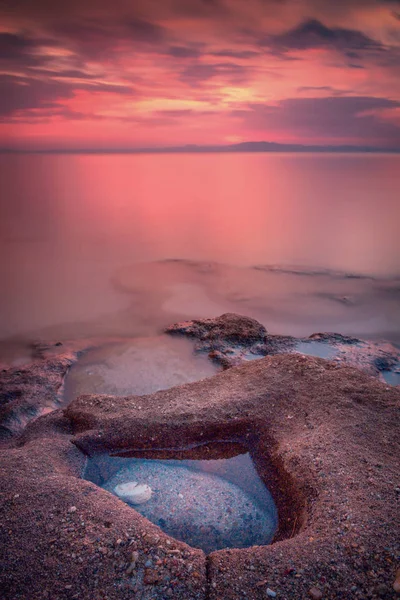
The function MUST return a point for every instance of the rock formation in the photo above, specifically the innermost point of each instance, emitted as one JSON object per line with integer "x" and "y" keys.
{"x": 324, "y": 437}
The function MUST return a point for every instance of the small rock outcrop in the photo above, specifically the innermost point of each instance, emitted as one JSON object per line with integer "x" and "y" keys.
{"x": 226, "y": 329}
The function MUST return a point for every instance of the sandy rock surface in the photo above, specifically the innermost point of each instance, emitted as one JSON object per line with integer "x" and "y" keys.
{"x": 324, "y": 437}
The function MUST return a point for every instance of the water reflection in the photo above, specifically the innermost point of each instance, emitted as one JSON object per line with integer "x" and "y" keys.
{"x": 70, "y": 223}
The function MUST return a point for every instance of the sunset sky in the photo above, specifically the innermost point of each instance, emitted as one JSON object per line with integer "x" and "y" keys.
{"x": 128, "y": 74}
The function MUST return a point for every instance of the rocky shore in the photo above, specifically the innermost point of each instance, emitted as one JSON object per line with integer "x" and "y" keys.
{"x": 323, "y": 435}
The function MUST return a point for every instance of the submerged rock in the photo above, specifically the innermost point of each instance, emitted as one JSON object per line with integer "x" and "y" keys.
{"x": 133, "y": 492}
{"x": 202, "y": 509}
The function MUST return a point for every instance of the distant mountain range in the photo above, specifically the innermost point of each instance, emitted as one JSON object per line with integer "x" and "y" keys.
{"x": 193, "y": 148}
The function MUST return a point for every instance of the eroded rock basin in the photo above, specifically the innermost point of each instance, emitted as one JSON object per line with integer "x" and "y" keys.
{"x": 323, "y": 435}
{"x": 209, "y": 504}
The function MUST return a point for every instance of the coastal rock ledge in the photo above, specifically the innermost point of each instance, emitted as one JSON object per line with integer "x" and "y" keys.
{"x": 324, "y": 437}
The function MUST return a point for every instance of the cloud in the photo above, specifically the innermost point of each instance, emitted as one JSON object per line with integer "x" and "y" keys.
{"x": 183, "y": 52}
{"x": 95, "y": 38}
{"x": 67, "y": 73}
{"x": 331, "y": 118}
{"x": 196, "y": 51}
{"x": 355, "y": 66}
{"x": 142, "y": 30}
{"x": 21, "y": 51}
{"x": 198, "y": 73}
{"x": 22, "y": 93}
{"x": 245, "y": 54}
{"x": 311, "y": 34}
{"x": 321, "y": 88}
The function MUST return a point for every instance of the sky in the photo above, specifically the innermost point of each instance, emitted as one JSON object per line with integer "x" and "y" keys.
{"x": 155, "y": 73}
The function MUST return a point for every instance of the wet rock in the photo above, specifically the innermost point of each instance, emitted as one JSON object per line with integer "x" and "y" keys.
{"x": 232, "y": 339}
{"x": 228, "y": 328}
{"x": 30, "y": 391}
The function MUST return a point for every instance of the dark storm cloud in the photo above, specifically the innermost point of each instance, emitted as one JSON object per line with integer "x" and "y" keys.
{"x": 314, "y": 34}
{"x": 336, "y": 118}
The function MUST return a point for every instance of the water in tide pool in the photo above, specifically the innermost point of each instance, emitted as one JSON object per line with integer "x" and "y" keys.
{"x": 207, "y": 503}
{"x": 123, "y": 245}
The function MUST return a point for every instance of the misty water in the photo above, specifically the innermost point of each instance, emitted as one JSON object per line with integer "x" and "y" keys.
{"x": 123, "y": 245}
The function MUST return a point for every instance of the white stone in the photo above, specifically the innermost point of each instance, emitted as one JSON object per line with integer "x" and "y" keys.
{"x": 133, "y": 492}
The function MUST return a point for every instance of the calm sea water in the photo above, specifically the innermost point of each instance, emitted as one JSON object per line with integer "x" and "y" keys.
{"x": 125, "y": 244}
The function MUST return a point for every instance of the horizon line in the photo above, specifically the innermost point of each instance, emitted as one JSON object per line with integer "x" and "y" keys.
{"x": 246, "y": 147}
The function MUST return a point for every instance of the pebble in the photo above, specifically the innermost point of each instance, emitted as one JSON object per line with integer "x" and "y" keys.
{"x": 315, "y": 593}
{"x": 134, "y": 492}
{"x": 72, "y": 509}
{"x": 150, "y": 577}
{"x": 396, "y": 585}
{"x": 132, "y": 566}
{"x": 271, "y": 593}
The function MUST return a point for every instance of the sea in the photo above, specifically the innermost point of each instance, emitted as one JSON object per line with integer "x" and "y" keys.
{"x": 122, "y": 245}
